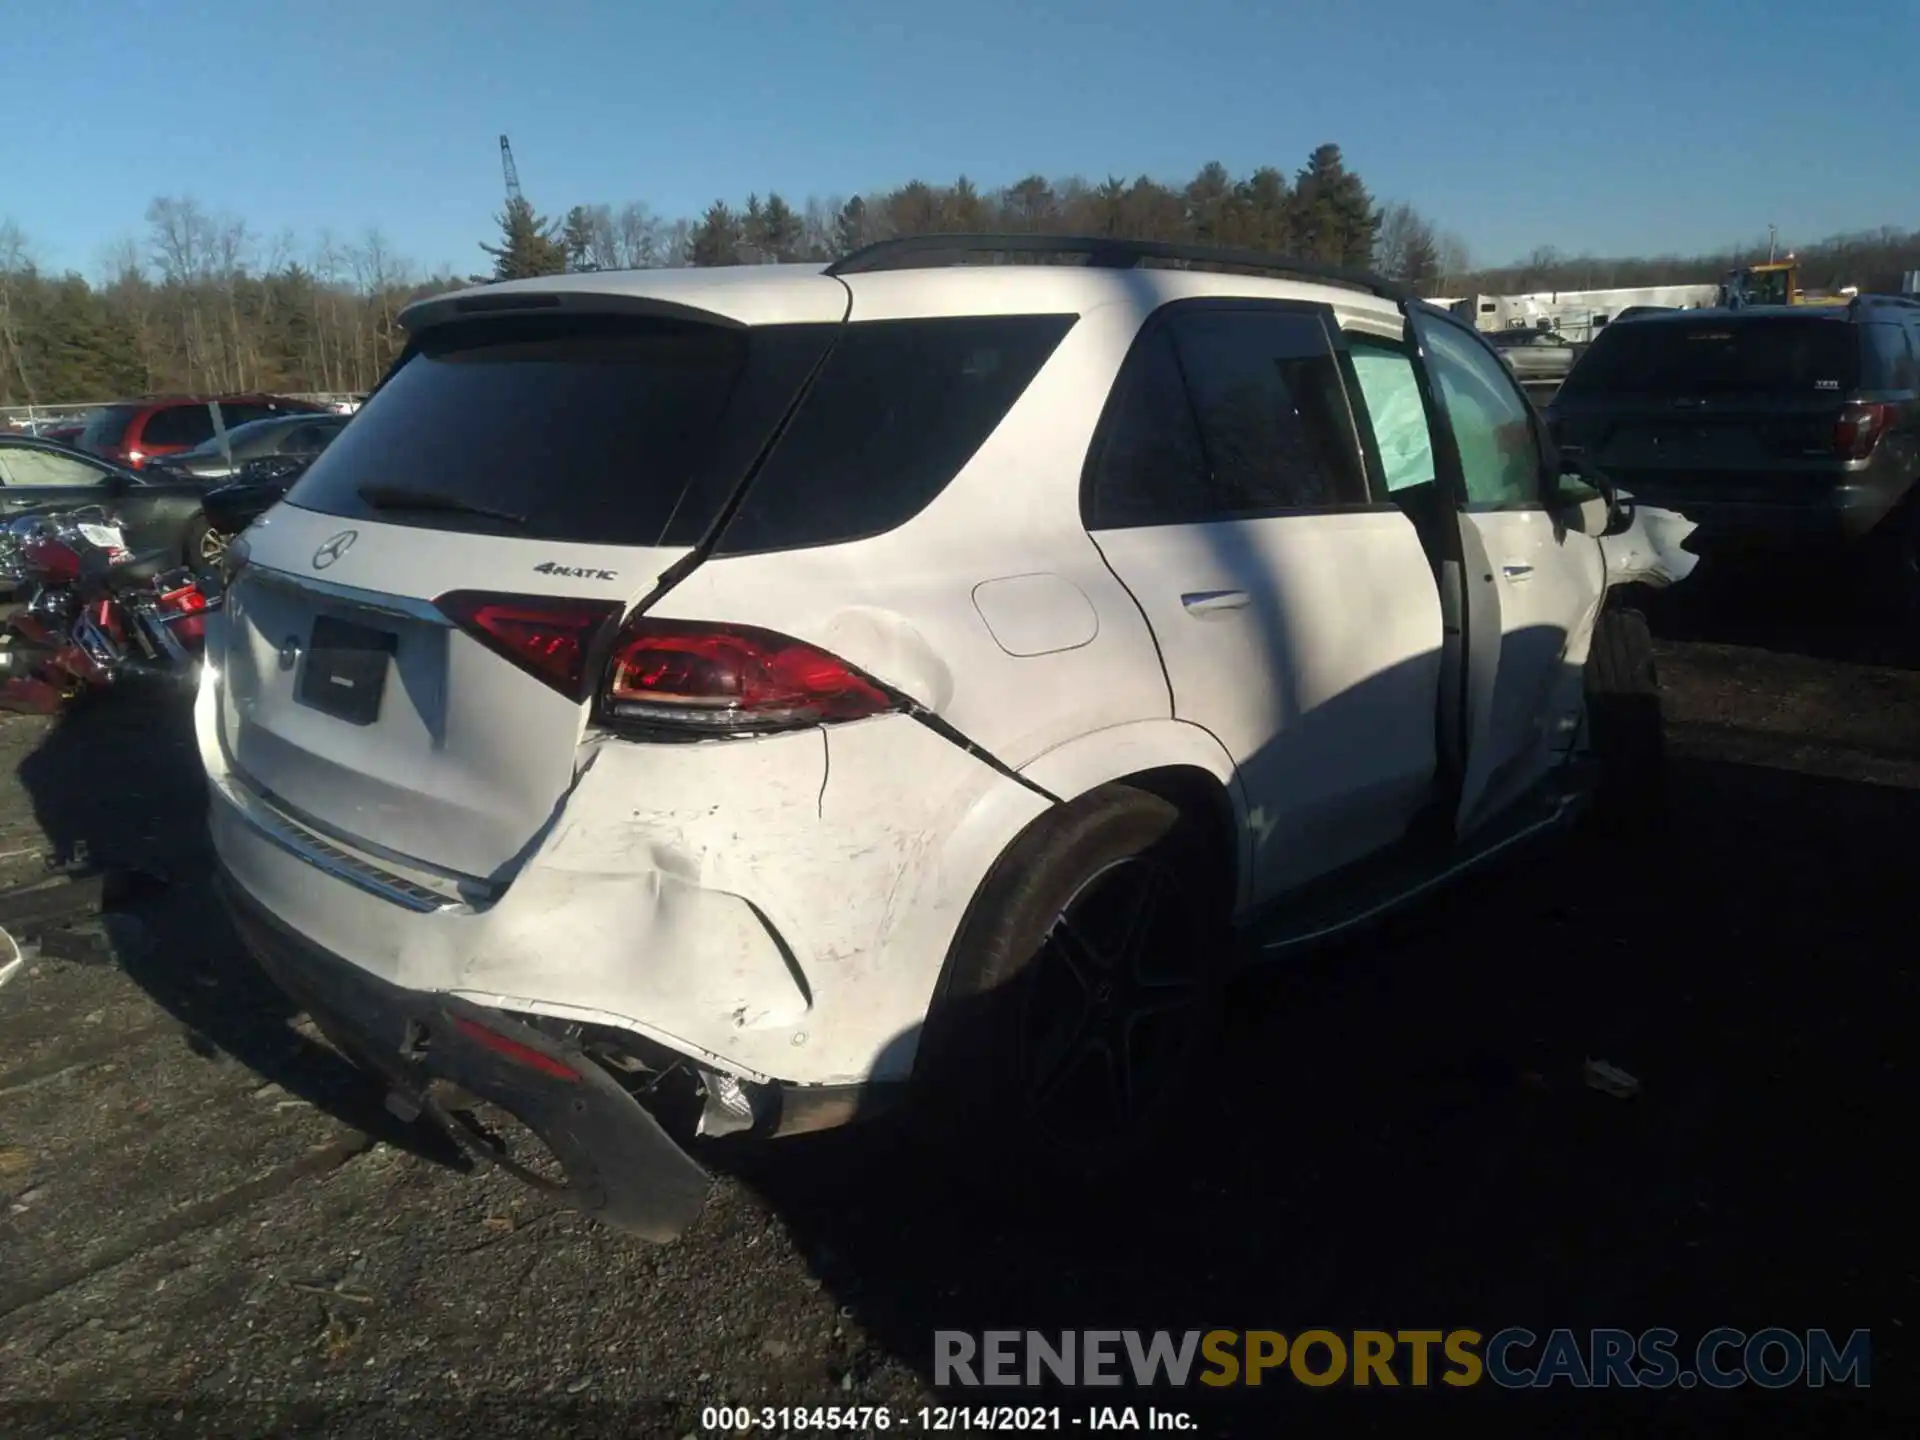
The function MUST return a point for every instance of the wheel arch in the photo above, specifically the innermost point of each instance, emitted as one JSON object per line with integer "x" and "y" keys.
{"x": 1182, "y": 763}
{"x": 1178, "y": 761}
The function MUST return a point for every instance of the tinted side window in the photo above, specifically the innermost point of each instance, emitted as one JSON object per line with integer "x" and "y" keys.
{"x": 1149, "y": 467}
{"x": 178, "y": 425}
{"x": 900, "y": 406}
{"x": 1272, "y": 409}
{"x": 307, "y": 439}
{"x": 1889, "y": 358}
{"x": 105, "y": 428}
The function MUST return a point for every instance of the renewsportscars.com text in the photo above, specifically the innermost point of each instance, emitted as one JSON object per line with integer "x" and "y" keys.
{"x": 1514, "y": 1358}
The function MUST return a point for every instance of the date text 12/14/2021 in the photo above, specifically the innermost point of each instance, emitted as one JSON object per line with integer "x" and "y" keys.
{"x": 938, "y": 1419}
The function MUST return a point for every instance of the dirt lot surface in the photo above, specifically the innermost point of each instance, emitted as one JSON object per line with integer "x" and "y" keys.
{"x": 208, "y": 1225}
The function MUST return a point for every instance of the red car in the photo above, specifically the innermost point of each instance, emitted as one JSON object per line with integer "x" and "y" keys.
{"x": 134, "y": 432}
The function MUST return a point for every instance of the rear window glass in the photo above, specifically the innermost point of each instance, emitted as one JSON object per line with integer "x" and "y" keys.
{"x": 899, "y": 408}
{"x": 178, "y": 425}
{"x": 587, "y": 429}
{"x": 1721, "y": 355}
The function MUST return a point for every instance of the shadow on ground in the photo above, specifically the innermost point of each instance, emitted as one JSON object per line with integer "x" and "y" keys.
{"x": 1805, "y": 609}
{"x": 121, "y": 780}
{"x": 1399, "y": 1134}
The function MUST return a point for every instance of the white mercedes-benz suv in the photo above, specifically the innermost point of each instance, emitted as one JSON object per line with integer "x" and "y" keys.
{"x": 703, "y": 702}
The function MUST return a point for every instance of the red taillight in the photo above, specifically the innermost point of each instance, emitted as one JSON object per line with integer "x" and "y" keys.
{"x": 183, "y": 601}
{"x": 1859, "y": 429}
{"x": 729, "y": 679}
{"x": 548, "y": 637}
{"x": 513, "y": 1050}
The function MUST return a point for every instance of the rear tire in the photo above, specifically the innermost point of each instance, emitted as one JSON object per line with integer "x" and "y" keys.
{"x": 1894, "y": 565}
{"x": 1626, "y": 723}
{"x": 1081, "y": 996}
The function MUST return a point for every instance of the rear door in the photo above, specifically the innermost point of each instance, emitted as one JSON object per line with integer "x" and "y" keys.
{"x": 556, "y": 464}
{"x": 1526, "y": 578}
{"x": 1296, "y": 614}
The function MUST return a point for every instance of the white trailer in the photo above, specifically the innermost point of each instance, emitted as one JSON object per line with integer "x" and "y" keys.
{"x": 1577, "y": 314}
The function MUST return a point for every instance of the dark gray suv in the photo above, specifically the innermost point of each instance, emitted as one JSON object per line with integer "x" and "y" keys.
{"x": 1786, "y": 428}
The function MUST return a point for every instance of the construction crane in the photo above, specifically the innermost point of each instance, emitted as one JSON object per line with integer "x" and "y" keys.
{"x": 512, "y": 173}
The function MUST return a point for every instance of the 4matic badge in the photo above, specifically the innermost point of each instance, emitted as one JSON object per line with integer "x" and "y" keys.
{"x": 574, "y": 572}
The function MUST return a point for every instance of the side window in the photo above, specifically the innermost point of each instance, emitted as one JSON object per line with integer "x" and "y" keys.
{"x": 26, "y": 467}
{"x": 1273, "y": 413}
{"x": 178, "y": 425}
{"x": 1150, "y": 468}
{"x": 900, "y": 406}
{"x": 235, "y": 413}
{"x": 306, "y": 439}
{"x": 1890, "y": 362}
{"x": 1396, "y": 412}
{"x": 1491, "y": 423}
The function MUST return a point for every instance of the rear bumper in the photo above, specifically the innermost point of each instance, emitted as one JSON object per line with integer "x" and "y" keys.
{"x": 1834, "y": 518}
{"x": 622, "y": 1167}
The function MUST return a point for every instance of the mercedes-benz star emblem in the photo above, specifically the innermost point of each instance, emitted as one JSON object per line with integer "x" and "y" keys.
{"x": 333, "y": 548}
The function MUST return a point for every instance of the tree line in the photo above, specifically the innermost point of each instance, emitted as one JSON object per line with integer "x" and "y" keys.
{"x": 201, "y": 302}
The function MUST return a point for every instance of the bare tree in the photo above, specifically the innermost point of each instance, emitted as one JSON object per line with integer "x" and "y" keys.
{"x": 15, "y": 263}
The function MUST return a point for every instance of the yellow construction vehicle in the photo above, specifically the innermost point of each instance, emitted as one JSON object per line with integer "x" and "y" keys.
{"x": 1775, "y": 282}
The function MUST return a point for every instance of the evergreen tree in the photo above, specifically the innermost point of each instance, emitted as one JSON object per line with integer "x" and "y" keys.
{"x": 528, "y": 244}
{"x": 964, "y": 211}
{"x": 576, "y": 238}
{"x": 1266, "y": 212}
{"x": 780, "y": 232}
{"x": 1211, "y": 207}
{"x": 1334, "y": 217}
{"x": 716, "y": 239}
{"x": 850, "y": 227}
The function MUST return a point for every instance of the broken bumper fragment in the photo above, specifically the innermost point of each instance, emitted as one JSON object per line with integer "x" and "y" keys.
{"x": 622, "y": 1168}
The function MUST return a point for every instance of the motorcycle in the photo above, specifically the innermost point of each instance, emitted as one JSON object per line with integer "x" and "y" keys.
{"x": 90, "y": 614}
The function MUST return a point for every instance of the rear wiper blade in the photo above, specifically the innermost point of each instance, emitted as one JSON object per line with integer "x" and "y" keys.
{"x": 404, "y": 497}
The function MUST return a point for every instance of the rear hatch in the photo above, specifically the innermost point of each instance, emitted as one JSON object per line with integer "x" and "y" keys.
{"x": 1716, "y": 406}
{"x": 563, "y": 458}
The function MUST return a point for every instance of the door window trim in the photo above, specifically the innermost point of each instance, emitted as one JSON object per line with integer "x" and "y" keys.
{"x": 1160, "y": 322}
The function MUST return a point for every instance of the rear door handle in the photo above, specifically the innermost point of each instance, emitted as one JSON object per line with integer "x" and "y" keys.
{"x": 1516, "y": 572}
{"x": 1212, "y": 602}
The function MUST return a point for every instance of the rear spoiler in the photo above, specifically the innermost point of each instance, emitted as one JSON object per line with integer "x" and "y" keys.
{"x": 485, "y": 304}
{"x": 439, "y": 311}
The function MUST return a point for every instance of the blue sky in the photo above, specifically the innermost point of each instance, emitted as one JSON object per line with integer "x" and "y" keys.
{"x": 1615, "y": 128}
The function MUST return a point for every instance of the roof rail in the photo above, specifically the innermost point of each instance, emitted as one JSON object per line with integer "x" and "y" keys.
{"x": 918, "y": 252}
{"x": 1861, "y": 301}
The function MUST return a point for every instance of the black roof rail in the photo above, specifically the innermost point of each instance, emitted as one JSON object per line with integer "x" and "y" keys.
{"x": 921, "y": 252}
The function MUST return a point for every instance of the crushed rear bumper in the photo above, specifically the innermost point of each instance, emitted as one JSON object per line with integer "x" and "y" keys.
{"x": 622, "y": 1167}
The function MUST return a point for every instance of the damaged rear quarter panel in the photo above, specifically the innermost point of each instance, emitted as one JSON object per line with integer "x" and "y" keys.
{"x": 743, "y": 899}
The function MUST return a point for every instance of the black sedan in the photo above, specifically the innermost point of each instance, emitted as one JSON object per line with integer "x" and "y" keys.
{"x": 261, "y": 484}
{"x": 256, "y": 440}
{"x": 158, "y": 512}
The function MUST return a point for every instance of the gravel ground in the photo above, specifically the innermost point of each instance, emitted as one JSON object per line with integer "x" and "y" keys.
{"x": 210, "y": 1225}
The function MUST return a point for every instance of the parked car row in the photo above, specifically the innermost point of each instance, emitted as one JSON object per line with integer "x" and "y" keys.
{"x": 160, "y": 496}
